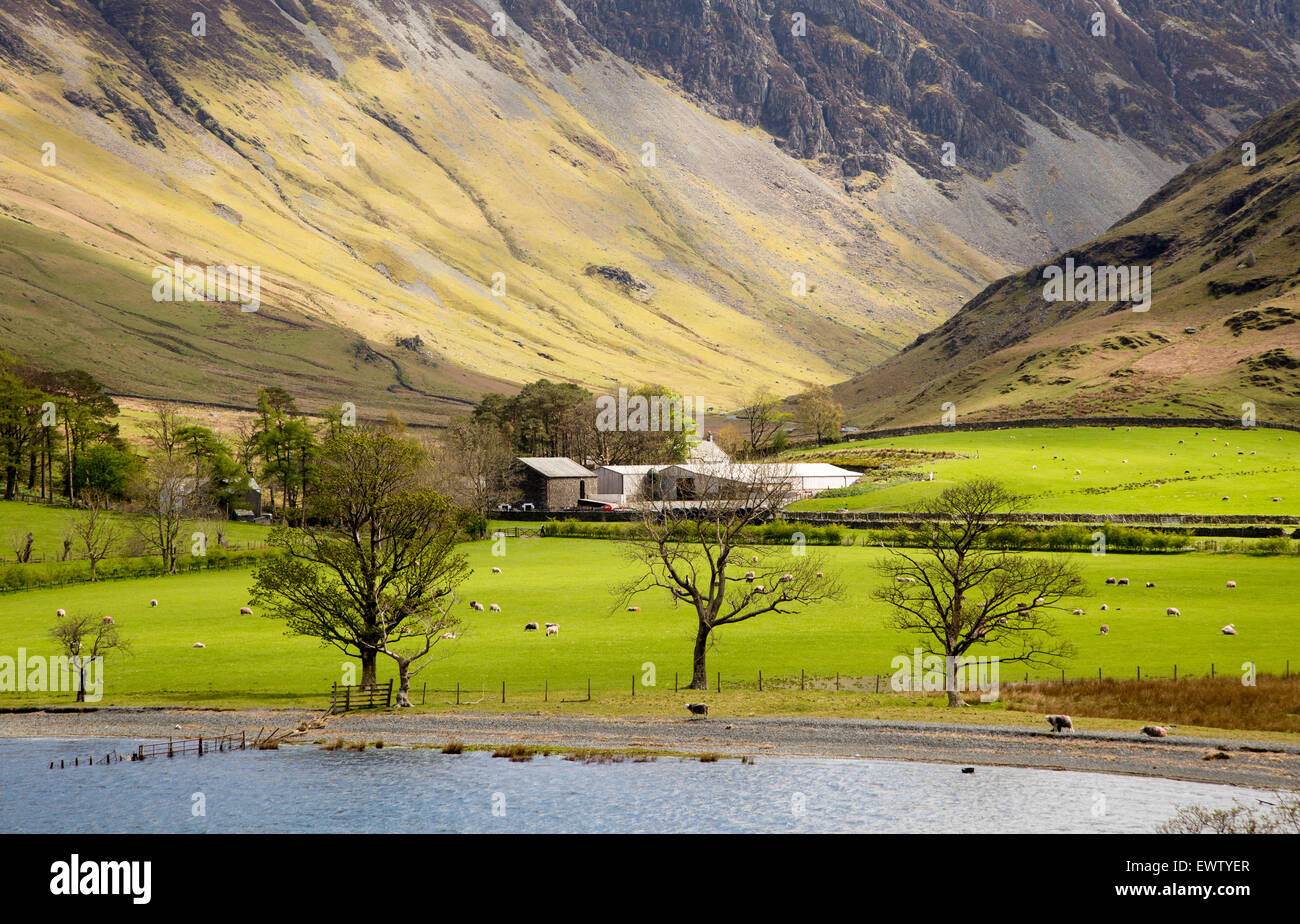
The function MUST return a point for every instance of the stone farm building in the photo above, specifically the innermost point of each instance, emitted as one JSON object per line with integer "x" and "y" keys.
{"x": 555, "y": 483}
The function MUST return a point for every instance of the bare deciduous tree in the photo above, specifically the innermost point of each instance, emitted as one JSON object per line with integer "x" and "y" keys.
{"x": 762, "y": 418}
{"x": 71, "y": 632}
{"x": 959, "y": 595}
{"x": 411, "y": 642}
{"x": 162, "y": 430}
{"x": 476, "y": 465}
{"x": 95, "y": 530}
{"x": 167, "y": 494}
{"x": 700, "y": 553}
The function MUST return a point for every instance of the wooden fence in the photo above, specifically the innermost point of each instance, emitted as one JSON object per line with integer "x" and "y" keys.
{"x": 346, "y": 698}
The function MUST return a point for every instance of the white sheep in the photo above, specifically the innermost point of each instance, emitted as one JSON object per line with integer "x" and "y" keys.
{"x": 1059, "y": 722}
{"x": 153, "y": 602}
{"x": 1110, "y": 580}
{"x": 198, "y": 645}
{"x": 1173, "y": 611}
{"x": 1123, "y": 581}
{"x": 759, "y": 588}
{"x": 552, "y": 628}
{"x": 60, "y": 612}
{"x": 245, "y": 611}
{"x": 1151, "y": 583}
{"x": 1077, "y": 613}
{"x": 749, "y": 576}
{"x": 1229, "y": 629}
{"x": 495, "y": 607}
{"x": 108, "y": 620}
{"x": 820, "y": 575}
{"x": 634, "y": 609}
{"x": 1105, "y": 629}
{"x": 1155, "y": 731}
{"x": 787, "y": 577}
{"x": 1232, "y": 584}
{"x": 496, "y": 570}
{"x": 1104, "y": 607}
{"x": 475, "y": 605}
{"x": 449, "y": 635}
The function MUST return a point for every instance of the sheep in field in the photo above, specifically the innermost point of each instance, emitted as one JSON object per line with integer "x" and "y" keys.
{"x": 153, "y": 602}
{"x": 1155, "y": 731}
{"x": 1104, "y": 607}
{"x": 108, "y": 620}
{"x": 698, "y": 708}
{"x": 198, "y": 645}
{"x": 1110, "y": 580}
{"x": 1105, "y": 629}
{"x": 749, "y": 576}
{"x": 1172, "y": 611}
{"x": 1059, "y": 722}
{"x": 634, "y": 609}
{"x": 245, "y": 611}
{"x": 496, "y": 570}
{"x": 552, "y": 628}
{"x": 1123, "y": 581}
{"x": 1229, "y": 629}
{"x": 530, "y": 627}
{"x": 759, "y": 588}
{"x": 1077, "y": 613}
{"x": 60, "y": 612}
{"x": 475, "y": 605}
{"x": 495, "y": 607}
{"x": 449, "y": 635}
{"x": 819, "y": 574}
{"x": 1232, "y": 584}
{"x": 787, "y": 577}
{"x": 1151, "y": 583}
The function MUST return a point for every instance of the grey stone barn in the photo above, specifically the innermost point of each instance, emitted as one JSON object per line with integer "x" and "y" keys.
{"x": 554, "y": 482}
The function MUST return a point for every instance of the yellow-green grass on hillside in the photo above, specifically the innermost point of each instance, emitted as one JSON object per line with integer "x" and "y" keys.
{"x": 1156, "y": 470}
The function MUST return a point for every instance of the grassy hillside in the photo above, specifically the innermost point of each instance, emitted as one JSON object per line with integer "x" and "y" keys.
{"x": 1221, "y": 241}
{"x": 435, "y": 212}
{"x": 1121, "y": 470}
{"x": 250, "y": 660}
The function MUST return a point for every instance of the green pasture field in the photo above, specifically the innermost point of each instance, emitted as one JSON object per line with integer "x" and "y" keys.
{"x": 48, "y": 523}
{"x": 248, "y": 660}
{"x": 1121, "y": 470}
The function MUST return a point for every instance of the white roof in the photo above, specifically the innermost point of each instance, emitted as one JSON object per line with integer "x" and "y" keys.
{"x": 707, "y": 451}
{"x": 629, "y": 469}
{"x": 758, "y": 470}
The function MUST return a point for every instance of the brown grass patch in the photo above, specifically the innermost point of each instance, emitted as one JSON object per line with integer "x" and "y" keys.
{"x": 1273, "y": 704}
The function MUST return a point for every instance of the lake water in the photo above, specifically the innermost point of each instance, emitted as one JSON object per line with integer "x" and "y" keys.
{"x": 392, "y": 790}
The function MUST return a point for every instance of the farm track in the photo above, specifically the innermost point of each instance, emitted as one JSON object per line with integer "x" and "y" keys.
{"x": 1273, "y": 766}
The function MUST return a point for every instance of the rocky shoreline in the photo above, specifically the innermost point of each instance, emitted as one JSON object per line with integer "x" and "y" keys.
{"x": 1266, "y": 765}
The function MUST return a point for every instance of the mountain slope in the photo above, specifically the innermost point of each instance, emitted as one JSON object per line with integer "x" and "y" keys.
{"x": 1221, "y": 240}
{"x": 449, "y": 197}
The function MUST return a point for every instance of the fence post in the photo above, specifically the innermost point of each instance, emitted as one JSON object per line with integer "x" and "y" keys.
{"x": 1175, "y": 672}
{"x": 1139, "y": 672}
{"x": 634, "y": 686}
{"x": 877, "y": 683}
{"x": 760, "y": 681}
{"x": 503, "y": 691}
{"x": 674, "y": 681}
{"x": 588, "y": 689}
{"x": 837, "y": 681}
{"x": 424, "y": 692}
{"x": 457, "y": 692}
{"x": 801, "y": 679}
{"x": 719, "y": 681}
{"x": 546, "y": 692}
{"x": 1211, "y": 670}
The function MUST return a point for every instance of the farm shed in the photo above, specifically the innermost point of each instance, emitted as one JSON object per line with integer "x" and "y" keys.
{"x": 555, "y": 482}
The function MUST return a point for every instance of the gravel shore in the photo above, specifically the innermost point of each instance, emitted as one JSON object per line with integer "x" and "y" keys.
{"x": 1258, "y": 764}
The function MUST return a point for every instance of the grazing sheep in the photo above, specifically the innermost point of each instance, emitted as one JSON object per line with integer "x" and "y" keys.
{"x": 245, "y": 611}
{"x": 1105, "y": 629}
{"x": 475, "y": 605}
{"x": 634, "y": 609}
{"x": 749, "y": 576}
{"x": 1059, "y": 722}
{"x": 495, "y": 607}
{"x": 1077, "y": 613}
{"x": 1104, "y": 607}
{"x": 1151, "y": 583}
{"x": 108, "y": 620}
{"x": 820, "y": 575}
{"x": 449, "y": 635}
{"x": 1225, "y": 497}
{"x": 787, "y": 577}
{"x": 1232, "y": 584}
{"x": 1172, "y": 611}
{"x": 1123, "y": 581}
{"x": 1022, "y": 613}
{"x": 153, "y": 602}
{"x": 496, "y": 570}
{"x": 198, "y": 645}
{"x": 1229, "y": 629}
{"x": 60, "y": 612}
{"x": 698, "y": 708}
{"x": 1155, "y": 731}
{"x": 1110, "y": 580}
{"x": 904, "y": 579}
{"x": 530, "y": 627}
{"x": 552, "y": 628}
{"x": 759, "y": 588}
